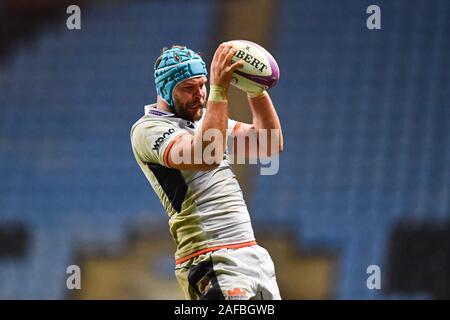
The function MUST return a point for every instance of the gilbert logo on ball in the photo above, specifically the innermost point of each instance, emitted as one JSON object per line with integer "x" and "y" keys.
{"x": 260, "y": 69}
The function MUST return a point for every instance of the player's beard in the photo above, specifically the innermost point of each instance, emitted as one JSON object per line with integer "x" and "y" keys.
{"x": 191, "y": 111}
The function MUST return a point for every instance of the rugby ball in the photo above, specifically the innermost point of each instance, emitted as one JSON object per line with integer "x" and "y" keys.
{"x": 260, "y": 70}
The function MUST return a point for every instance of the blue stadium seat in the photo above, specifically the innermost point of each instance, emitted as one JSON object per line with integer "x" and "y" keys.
{"x": 68, "y": 102}
{"x": 364, "y": 128}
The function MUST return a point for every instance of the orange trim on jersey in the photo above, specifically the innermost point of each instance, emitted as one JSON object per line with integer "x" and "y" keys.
{"x": 166, "y": 152}
{"x": 236, "y": 128}
{"x": 228, "y": 246}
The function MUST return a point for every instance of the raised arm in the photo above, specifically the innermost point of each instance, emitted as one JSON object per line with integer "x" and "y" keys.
{"x": 265, "y": 129}
{"x": 205, "y": 149}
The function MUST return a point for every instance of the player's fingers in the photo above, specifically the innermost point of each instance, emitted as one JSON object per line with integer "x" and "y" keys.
{"x": 235, "y": 65}
{"x": 230, "y": 56}
{"x": 223, "y": 55}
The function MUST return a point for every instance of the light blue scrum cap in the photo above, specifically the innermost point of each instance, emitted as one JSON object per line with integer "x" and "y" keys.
{"x": 176, "y": 65}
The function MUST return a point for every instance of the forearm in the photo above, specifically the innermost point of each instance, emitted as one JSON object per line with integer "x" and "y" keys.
{"x": 265, "y": 116}
{"x": 212, "y": 134}
{"x": 205, "y": 149}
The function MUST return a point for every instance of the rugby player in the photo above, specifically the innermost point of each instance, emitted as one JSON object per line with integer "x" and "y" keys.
{"x": 217, "y": 256}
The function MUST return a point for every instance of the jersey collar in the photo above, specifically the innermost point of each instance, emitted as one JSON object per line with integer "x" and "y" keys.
{"x": 151, "y": 109}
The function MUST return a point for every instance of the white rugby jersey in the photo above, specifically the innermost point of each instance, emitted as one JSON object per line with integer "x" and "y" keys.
{"x": 206, "y": 208}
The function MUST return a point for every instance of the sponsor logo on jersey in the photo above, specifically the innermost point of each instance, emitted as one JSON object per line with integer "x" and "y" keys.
{"x": 236, "y": 294}
{"x": 190, "y": 125}
{"x": 158, "y": 141}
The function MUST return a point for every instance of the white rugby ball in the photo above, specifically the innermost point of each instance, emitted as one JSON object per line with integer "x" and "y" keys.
{"x": 260, "y": 69}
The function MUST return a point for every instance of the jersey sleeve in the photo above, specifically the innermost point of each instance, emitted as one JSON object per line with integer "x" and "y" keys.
{"x": 152, "y": 139}
{"x": 232, "y": 126}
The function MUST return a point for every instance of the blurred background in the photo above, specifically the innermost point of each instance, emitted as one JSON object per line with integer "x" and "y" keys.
{"x": 363, "y": 181}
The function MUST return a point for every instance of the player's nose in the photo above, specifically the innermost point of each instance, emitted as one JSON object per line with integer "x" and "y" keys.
{"x": 199, "y": 94}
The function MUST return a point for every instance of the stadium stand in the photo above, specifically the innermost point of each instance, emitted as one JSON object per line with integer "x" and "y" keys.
{"x": 365, "y": 114}
{"x": 68, "y": 99}
{"x": 366, "y": 125}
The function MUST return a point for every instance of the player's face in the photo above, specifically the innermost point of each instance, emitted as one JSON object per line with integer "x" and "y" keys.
{"x": 189, "y": 98}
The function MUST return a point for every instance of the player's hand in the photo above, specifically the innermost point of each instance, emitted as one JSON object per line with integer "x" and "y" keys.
{"x": 221, "y": 67}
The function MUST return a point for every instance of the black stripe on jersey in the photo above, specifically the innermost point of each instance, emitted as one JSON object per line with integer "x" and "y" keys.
{"x": 203, "y": 283}
{"x": 172, "y": 183}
